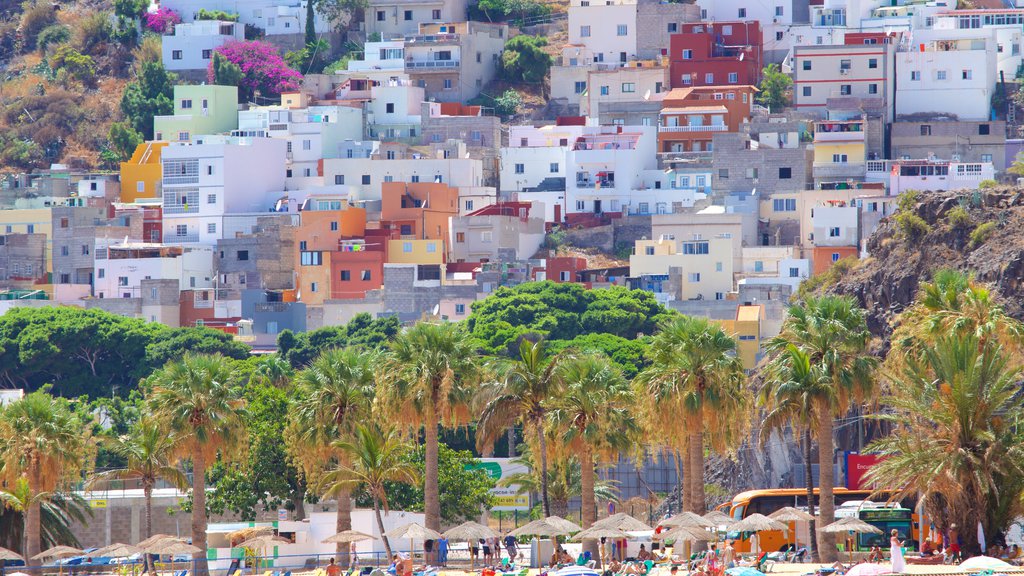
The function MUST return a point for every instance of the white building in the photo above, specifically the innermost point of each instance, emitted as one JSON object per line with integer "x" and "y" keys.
{"x": 218, "y": 176}
{"x": 364, "y": 171}
{"x": 602, "y": 31}
{"x": 191, "y": 45}
{"x": 121, "y": 273}
{"x": 789, "y": 271}
{"x": 389, "y": 17}
{"x": 775, "y": 16}
{"x": 274, "y": 17}
{"x": 835, "y": 223}
{"x": 929, "y": 175}
{"x": 394, "y": 111}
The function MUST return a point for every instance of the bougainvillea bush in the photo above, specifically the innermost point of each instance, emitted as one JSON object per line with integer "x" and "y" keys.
{"x": 263, "y": 68}
{"x": 162, "y": 20}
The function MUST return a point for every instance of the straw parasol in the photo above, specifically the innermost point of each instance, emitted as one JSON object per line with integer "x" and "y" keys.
{"x": 470, "y": 532}
{"x": 347, "y": 536}
{"x": 718, "y": 518}
{"x": 562, "y": 523}
{"x": 243, "y": 534}
{"x": 171, "y": 546}
{"x": 155, "y": 538}
{"x": 117, "y": 551}
{"x": 686, "y": 534}
{"x": 622, "y": 521}
{"x": 539, "y": 528}
{"x": 260, "y": 542}
{"x": 413, "y": 531}
{"x": 58, "y": 552}
{"x": 688, "y": 519}
{"x": 789, "y": 514}
{"x": 597, "y": 532}
{"x": 758, "y": 523}
{"x": 6, "y": 554}
{"x": 849, "y": 525}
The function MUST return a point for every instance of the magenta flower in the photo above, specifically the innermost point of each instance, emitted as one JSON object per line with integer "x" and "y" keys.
{"x": 263, "y": 68}
{"x": 162, "y": 21}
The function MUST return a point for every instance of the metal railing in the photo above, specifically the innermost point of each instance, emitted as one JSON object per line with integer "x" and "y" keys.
{"x": 704, "y": 128}
{"x": 432, "y": 63}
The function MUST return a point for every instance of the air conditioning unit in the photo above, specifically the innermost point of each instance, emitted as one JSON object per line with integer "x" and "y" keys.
{"x": 955, "y": 157}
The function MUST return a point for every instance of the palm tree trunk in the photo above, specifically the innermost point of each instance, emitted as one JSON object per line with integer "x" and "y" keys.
{"x": 342, "y": 522}
{"x": 542, "y": 444}
{"x": 697, "y": 499}
{"x": 33, "y": 521}
{"x": 147, "y": 491}
{"x": 809, "y": 479}
{"x": 298, "y": 500}
{"x": 589, "y": 500}
{"x": 510, "y": 437}
{"x": 380, "y": 526}
{"x": 199, "y": 510}
{"x": 826, "y": 503}
{"x": 431, "y": 496}
{"x": 683, "y": 473}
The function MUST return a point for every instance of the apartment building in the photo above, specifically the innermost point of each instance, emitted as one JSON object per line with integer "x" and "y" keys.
{"x": 717, "y": 54}
{"x": 454, "y": 61}
{"x": 835, "y": 233}
{"x": 121, "y": 274}
{"x": 742, "y": 165}
{"x": 840, "y": 150}
{"x": 824, "y": 74}
{"x": 391, "y": 17}
{"x": 263, "y": 259}
{"x": 776, "y": 18}
{"x": 328, "y": 226}
{"x": 930, "y": 174}
{"x": 273, "y": 17}
{"x": 394, "y": 112}
{"x": 140, "y": 175}
{"x": 189, "y": 48}
{"x": 691, "y": 116}
{"x": 981, "y": 141}
{"x": 703, "y": 268}
{"x": 198, "y": 109}
{"x": 444, "y": 121}
{"x": 22, "y": 261}
{"x": 628, "y": 95}
{"x": 501, "y": 232}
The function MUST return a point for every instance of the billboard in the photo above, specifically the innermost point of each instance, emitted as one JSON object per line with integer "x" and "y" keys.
{"x": 505, "y": 499}
{"x": 857, "y": 466}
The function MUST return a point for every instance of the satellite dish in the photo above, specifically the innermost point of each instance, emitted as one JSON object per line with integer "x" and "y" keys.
{"x": 436, "y": 309}
{"x": 742, "y": 54}
{"x": 647, "y": 95}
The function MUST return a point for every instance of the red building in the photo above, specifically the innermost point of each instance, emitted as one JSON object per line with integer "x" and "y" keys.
{"x": 356, "y": 267}
{"x": 853, "y": 38}
{"x": 716, "y": 53}
{"x": 564, "y": 268}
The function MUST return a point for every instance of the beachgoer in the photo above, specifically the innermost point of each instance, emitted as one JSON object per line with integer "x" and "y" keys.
{"x": 729, "y": 555}
{"x": 954, "y": 543}
{"x": 333, "y": 569}
{"x": 643, "y": 554}
{"x": 428, "y": 552}
{"x": 442, "y": 551}
{"x": 353, "y": 555}
{"x": 474, "y": 550}
{"x": 875, "y": 555}
{"x": 510, "y": 547}
{"x": 486, "y": 544}
{"x": 896, "y": 553}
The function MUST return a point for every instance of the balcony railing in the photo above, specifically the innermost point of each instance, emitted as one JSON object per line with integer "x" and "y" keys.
{"x": 704, "y": 128}
{"x": 271, "y": 307}
{"x": 433, "y": 38}
{"x": 170, "y": 238}
{"x": 431, "y": 64}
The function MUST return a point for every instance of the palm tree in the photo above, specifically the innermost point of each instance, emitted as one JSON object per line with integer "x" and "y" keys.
{"x": 791, "y": 394}
{"x": 694, "y": 379}
{"x": 591, "y": 418}
{"x": 192, "y": 399}
{"x": 377, "y": 457}
{"x": 333, "y": 395}
{"x": 42, "y": 441}
{"x": 956, "y": 440}
{"x": 832, "y": 332}
{"x": 57, "y": 511}
{"x": 518, "y": 394}
{"x": 430, "y": 379}
{"x": 274, "y": 370}
{"x": 565, "y": 482}
{"x": 149, "y": 455}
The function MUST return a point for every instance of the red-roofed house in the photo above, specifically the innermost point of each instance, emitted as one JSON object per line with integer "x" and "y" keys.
{"x": 691, "y": 116}
{"x": 716, "y": 54}
{"x": 506, "y": 231}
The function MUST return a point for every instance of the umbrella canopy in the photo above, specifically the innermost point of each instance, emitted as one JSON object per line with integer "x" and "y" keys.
{"x": 850, "y": 525}
{"x": 869, "y": 569}
{"x": 757, "y": 523}
{"x": 985, "y": 563}
{"x": 790, "y": 514}
{"x": 116, "y": 551}
{"x": 690, "y": 533}
{"x": 58, "y": 552}
{"x": 243, "y": 534}
{"x": 346, "y": 536}
{"x": 154, "y": 539}
{"x": 718, "y": 518}
{"x": 743, "y": 571}
{"x": 597, "y": 532}
{"x": 577, "y": 571}
{"x": 260, "y": 542}
{"x": 413, "y": 531}
{"x": 170, "y": 546}
{"x": 563, "y": 524}
{"x": 539, "y": 528}
{"x": 621, "y": 521}
{"x": 16, "y": 574}
{"x": 688, "y": 519}
{"x": 470, "y": 532}
{"x": 6, "y": 554}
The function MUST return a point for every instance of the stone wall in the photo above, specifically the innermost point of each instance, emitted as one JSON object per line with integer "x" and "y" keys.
{"x": 621, "y": 231}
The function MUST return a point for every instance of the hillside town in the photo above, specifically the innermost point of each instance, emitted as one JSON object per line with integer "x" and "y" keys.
{"x": 717, "y": 154}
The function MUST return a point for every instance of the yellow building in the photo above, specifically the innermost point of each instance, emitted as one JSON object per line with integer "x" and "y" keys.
{"x": 840, "y": 149}
{"x": 746, "y": 330}
{"x": 140, "y": 176}
{"x": 415, "y": 251}
{"x": 706, "y": 265}
{"x": 30, "y": 221}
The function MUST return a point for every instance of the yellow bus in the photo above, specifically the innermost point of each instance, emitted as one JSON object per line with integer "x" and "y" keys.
{"x": 768, "y": 501}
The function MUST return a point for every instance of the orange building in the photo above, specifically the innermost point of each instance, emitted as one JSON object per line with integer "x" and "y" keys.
{"x": 141, "y": 175}
{"x": 326, "y": 222}
{"x": 356, "y": 268}
{"x": 418, "y": 210}
{"x": 691, "y": 116}
{"x": 823, "y": 257}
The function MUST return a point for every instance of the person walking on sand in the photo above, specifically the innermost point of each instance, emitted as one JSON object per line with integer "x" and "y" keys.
{"x": 896, "y": 553}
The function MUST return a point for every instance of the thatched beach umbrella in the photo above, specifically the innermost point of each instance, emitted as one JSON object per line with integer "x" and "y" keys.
{"x": 789, "y": 514}
{"x": 622, "y": 521}
{"x": 413, "y": 531}
{"x": 540, "y": 528}
{"x": 850, "y": 526}
{"x": 347, "y": 536}
{"x": 688, "y": 519}
{"x": 719, "y": 519}
{"x": 56, "y": 553}
{"x": 470, "y": 532}
{"x": 567, "y": 525}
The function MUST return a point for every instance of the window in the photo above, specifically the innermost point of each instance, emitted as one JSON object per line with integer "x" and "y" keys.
{"x": 794, "y": 272}
{"x": 649, "y": 250}
{"x": 709, "y": 78}
{"x": 807, "y": 91}
{"x": 833, "y": 232}
{"x": 693, "y": 277}
{"x": 835, "y": 256}
{"x": 469, "y": 205}
{"x": 839, "y": 158}
{"x": 687, "y": 79}
{"x": 389, "y": 108}
{"x": 687, "y": 54}
{"x": 872, "y": 63}
{"x": 580, "y": 87}
{"x": 175, "y": 54}
{"x": 211, "y": 198}
{"x": 741, "y": 13}
{"x": 64, "y": 222}
{"x": 845, "y": 65}
{"x": 983, "y": 129}
{"x": 520, "y": 168}
{"x": 779, "y": 36}
{"x": 122, "y": 280}
{"x": 479, "y": 59}
{"x": 581, "y": 205}
{"x": 460, "y": 309}
{"x": 585, "y": 31}
{"x": 101, "y": 273}
{"x": 380, "y": 16}
{"x": 407, "y": 247}
{"x": 312, "y": 285}
{"x": 211, "y": 228}
{"x": 242, "y": 255}
{"x": 207, "y": 54}
{"x": 563, "y": 276}
{"x": 751, "y": 173}
{"x": 460, "y": 237}
{"x": 408, "y": 15}
{"x": 311, "y": 258}
{"x": 784, "y": 204}
{"x": 365, "y": 275}
{"x": 447, "y": 83}
{"x": 186, "y": 104}
{"x": 339, "y": 179}
{"x": 366, "y": 180}
{"x": 487, "y": 236}
{"x": 435, "y": 14}
{"x": 733, "y": 78}
{"x": 622, "y": 30}
{"x": 807, "y": 64}
{"x": 65, "y": 251}
{"x": 845, "y": 89}
{"x": 696, "y": 248}
{"x": 181, "y": 230}
{"x": 604, "y": 90}
{"x": 965, "y": 74}
{"x": 986, "y": 157}
{"x": 915, "y": 75}
{"x": 872, "y": 88}
{"x": 723, "y": 173}
{"x": 758, "y": 266}
{"x": 673, "y": 27}
{"x": 785, "y": 173}
{"x": 926, "y": 130}
{"x": 334, "y": 226}
{"x": 718, "y": 266}
{"x": 346, "y": 275}
{"x": 553, "y": 168}
{"x": 628, "y": 87}
{"x": 940, "y": 74}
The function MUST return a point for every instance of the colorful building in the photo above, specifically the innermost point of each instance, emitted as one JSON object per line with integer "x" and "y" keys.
{"x": 691, "y": 116}
{"x": 141, "y": 175}
{"x": 716, "y": 54}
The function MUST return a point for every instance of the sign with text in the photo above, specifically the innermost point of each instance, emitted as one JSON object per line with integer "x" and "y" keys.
{"x": 857, "y": 466}
{"x": 506, "y": 499}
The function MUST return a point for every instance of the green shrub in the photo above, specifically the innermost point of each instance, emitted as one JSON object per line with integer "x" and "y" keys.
{"x": 982, "y": 233}
{"x": 986, "y": 184}
{"x": 911, "y": 226}
{"x": 958, "y": 218}
{"x": 70, "y": 64}
{"x": 205, "y": 14}
{"x": 93, "y": 30}
{"x": 37, "y": 17}
{"x": 52, "y": 35}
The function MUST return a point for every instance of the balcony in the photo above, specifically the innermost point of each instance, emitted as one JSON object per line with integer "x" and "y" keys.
{"x": 831, "y": 170}
{"x": 428, "y": 65}
{"x": 271, "y": 307}
{"x": 838, "y": 137}
{"x": 433, "y": 39}
{"x": 190, "y": 237}
{"x": 704, "y": 128}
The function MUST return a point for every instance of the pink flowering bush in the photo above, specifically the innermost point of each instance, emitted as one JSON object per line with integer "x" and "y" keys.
{"x": 162, "y": 21}
{"x": 263, "y": 68}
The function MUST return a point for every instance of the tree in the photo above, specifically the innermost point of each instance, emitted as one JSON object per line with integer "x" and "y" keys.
{"x": 148, "y": 452}
{"x": 362, "y": 332}
{"x": 311, "y": 29}
{"x": 338, "y": 11}
{"x": 42, "y": 441}
{"x": 194, "y": 400}
{"x": 73, "y": 65}
{"x": 225, "y": 72}
{"x": 565, "y": 482}
{"x": 376, "y": 458}
{"x": 524, "y": 59}
{"x": 333, "y": 395}
{"x": 273, "y": 370}
{"x": 57, "y": 511}
{"x": 162, "y": 21}
{"x": 53, "y": 35}
{"x": 774, "y": 88}
{"x": 591, "y": 419}
{"x": 198, "y": 340}
{"x": 123, "y": 139}
{"x": 263, "y": 69}
{"x": 832, "y": 332}
{"x": 629, "y": 355}
{"x": 955, "y": 438}
{"x": 508, "y": 103}
{"x": 1017, "y": 168}
{"x": 792, "y": 394}
{"x": 695, "y": 379}
{"x": 519, "y": 394}
{"x": 429, "y": 379}
{"x": 151, "y": 95}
